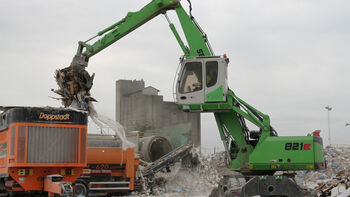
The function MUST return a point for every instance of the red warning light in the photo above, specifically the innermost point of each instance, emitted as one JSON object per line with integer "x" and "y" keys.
{"x": 316, "y": 133}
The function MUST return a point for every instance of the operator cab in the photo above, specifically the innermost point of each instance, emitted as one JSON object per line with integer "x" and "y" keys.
{"x": 202, "y": 80}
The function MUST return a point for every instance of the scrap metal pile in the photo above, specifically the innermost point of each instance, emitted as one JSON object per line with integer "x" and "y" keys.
{"x": 335, "y": 180}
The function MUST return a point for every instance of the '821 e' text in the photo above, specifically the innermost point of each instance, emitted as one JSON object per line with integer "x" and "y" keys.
{"x": 296, "y": 146}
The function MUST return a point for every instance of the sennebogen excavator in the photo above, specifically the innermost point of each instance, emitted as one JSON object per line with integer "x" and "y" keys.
{"x": 202, "y": 86}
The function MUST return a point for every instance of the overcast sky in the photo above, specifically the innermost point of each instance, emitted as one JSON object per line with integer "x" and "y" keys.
{"x": 289, "y": 58}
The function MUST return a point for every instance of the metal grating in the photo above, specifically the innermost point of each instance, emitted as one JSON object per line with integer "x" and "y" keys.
{"x": 13, "y": 134}
{"x": 52, "y": 145}
{"x": 21, "y": 144}
{"x": 83, "y": 147}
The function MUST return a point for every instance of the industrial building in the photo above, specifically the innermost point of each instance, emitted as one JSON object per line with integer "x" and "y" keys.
{"x": 141, "y": 108}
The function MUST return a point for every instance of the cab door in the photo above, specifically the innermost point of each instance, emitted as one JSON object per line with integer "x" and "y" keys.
{"x": 190, "y": 86}
{"x": 215, "y": 80}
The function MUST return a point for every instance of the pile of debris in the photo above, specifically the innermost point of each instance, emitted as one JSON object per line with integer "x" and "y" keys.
{"x": 333, "y": 181}
{"x": 200, "y": 180}
{"x": 196, "y": 180}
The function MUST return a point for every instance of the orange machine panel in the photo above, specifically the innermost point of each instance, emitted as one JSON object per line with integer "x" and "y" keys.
{"x": 109, "y": 155}
{"x": 116, "y": 161}
{"x": 37, "y": 142}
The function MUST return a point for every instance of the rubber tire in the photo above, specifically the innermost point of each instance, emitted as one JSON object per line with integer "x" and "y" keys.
{"x": 83, "y": 186}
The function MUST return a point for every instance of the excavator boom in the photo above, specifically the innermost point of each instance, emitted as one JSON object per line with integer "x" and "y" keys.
{"x": 197, "y": 41}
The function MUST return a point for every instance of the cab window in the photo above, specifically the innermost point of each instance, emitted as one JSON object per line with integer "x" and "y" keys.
{"x": 191, "y": 80}
{"x": 211, "y": 73}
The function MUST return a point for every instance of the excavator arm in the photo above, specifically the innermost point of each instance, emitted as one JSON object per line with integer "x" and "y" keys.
{"x": 75, "y": 83}
{"x": 196, "y": 38}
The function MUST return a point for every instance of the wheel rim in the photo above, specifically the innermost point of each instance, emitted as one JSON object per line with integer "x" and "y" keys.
{"x": 80, "y": 189}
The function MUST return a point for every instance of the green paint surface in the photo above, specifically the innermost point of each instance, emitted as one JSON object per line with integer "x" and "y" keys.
{"x": 215, "y": 96}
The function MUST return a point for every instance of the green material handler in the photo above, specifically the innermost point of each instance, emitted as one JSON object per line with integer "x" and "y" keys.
{"x": 201, "y": 86}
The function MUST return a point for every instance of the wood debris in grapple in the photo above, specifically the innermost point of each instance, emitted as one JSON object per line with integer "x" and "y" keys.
{"x": 74, "y": 84}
